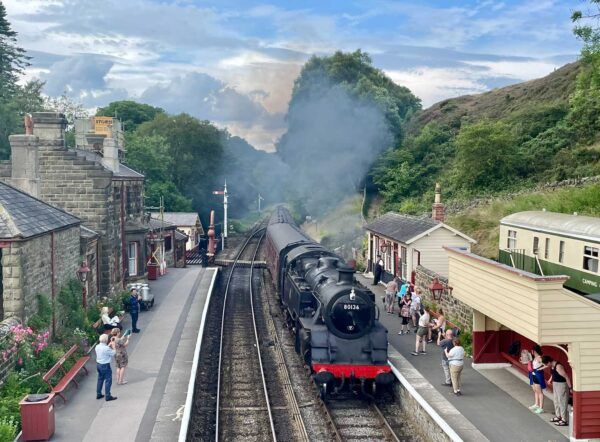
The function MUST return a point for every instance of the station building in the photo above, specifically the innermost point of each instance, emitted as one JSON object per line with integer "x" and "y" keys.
{"x": 531, "y": 300}
{"x": 405, "y": 242}
{"x": 188, "y": 223}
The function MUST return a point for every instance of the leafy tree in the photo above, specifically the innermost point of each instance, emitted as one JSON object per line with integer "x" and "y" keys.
{"x": 487, "y": 156}
{"x": 12, "y": 58}
{"x": 131, "y": 113}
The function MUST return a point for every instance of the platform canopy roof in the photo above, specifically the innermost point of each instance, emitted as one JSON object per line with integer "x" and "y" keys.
{"x": 574, "y": 226}
{"x": 23, "y": 216}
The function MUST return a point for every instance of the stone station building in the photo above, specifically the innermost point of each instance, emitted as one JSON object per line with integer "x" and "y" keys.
{"x": 39, "y": 249}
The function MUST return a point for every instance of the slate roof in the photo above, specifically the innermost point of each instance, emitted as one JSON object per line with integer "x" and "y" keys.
{"x": 179, "y": 236}
{"x": 401, "y": 228}
{"x": 181, "y": 218}
{"x": 88, "y": 233}
{"x": 23, "y": 216}
{"x": 575, "y": 226}
{"x": 156, "y": 223}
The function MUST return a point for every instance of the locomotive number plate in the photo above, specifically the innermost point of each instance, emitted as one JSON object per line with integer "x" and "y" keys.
{"x": 351, "y": 307}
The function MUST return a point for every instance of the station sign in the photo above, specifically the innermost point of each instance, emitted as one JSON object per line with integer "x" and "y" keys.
{"x": 103, "y": 126}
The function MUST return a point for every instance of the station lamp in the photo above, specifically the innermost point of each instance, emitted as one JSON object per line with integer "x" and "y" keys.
{"x": 436, "y": 289}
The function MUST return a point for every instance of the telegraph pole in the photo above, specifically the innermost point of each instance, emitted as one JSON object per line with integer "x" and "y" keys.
{"x": 225, "y": 212}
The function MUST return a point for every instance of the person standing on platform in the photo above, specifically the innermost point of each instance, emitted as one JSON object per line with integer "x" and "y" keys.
{"x": 390, "y": 292}
{"x": 415, "y": 307}
{"x": 378, "y": 270}
{"x": 446, "y": 345}
{"x": 561, "y": 386}
{"x": 404, "y": 305}
{"x": 104, "y": 353}
{"x": 456, "y": 357}
{"x": 121, "y": 358}
{"x": 422, "y": 331}
{"x": 134, "y": 309}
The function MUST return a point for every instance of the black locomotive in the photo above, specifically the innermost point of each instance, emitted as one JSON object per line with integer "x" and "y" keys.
{"x": 334, "y": 320}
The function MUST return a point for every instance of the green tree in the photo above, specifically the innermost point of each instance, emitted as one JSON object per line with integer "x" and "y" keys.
{"x": 487, "y": 156}
{"x": 131, "y": 113}
{"x": 12, "y": 58}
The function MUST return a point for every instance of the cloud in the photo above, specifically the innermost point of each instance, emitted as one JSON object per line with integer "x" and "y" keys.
{"x": 208, "y": 98}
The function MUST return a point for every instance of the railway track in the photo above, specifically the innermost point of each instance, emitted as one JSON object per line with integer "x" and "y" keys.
{"x": 354, "y": 419}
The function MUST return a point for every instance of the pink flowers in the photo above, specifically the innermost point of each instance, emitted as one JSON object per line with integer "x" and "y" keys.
{"x": 25, "y": 342}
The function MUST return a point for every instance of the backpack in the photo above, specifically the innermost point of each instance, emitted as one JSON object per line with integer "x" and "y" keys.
{"x": 514, "y": 348}
{"x": 405, "y": 312}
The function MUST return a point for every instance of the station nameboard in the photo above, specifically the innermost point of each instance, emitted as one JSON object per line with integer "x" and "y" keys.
{"x": 103, "y": 126}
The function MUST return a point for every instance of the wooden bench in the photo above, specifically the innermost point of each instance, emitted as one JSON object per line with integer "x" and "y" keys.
{"x": 98, "y": 326}
{"x": 68, "y": 376}
{"x": 449, "y": 325}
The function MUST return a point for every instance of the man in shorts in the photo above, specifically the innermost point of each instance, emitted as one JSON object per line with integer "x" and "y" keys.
{"x": 390, "y": 293}
{"x": 422, "y": 332}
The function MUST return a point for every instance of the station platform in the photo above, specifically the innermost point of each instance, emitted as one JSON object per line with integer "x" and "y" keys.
{"x": 494, "y": 402}
{"x": 150, "y": 406}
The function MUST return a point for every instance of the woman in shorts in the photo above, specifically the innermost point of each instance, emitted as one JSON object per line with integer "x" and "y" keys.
{"x": 536, "y": 379}
{"x": 422, "y": 332}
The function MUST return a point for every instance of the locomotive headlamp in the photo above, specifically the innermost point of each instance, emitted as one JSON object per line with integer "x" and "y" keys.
{"x": 352, "y": 294}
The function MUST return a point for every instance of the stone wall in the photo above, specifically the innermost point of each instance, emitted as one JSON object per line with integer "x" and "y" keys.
{"x": 454, "y": 309}
{"x": 27, "y": 269}
{"x": 85, "y": 189}
{"x": 89, "y": 252}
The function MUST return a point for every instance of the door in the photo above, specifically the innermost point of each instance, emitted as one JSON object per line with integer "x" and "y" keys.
{"x": 404, "y": 263}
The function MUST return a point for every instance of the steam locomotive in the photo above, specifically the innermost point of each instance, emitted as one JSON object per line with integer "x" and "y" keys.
{"x": 335, "y": 322}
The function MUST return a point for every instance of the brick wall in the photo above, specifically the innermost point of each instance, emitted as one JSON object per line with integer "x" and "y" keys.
{"x": 453, "y": 308}
{"x": 27, "y": 269}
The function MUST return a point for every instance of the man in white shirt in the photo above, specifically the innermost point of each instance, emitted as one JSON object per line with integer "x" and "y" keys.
{"x": 104, "y": 353}
{"x": 415, "y": 306}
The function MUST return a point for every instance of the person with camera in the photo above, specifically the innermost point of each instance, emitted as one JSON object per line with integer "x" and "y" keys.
{"x": 134, "y": 309}
{"x": 121, "y": 358}
{"x": 105, "y": 351}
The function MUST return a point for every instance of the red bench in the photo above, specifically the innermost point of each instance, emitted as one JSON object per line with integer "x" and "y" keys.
{"x": 68, "y": 376}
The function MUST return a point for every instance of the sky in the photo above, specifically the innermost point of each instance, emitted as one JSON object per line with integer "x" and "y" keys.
{"x": 234, "y": 62}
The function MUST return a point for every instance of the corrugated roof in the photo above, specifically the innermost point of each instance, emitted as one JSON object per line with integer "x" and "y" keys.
{"x": 181, "y": 218}
{"x": 401, "y": 228}
{"x": 179, "y": 236}
{"x": 576, "y": 226}
{"x": 23, "y": 216}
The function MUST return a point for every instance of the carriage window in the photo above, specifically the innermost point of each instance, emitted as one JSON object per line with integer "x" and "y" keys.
{"x": 536, "y": 245}
{"x": 511, "y": 242}
{"x": 590, "y": 258}
{"x": 561, "y": 251}
{"x": 547, "y": 249}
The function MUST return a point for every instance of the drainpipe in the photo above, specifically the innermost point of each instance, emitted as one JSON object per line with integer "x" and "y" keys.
{"x": 123, "y": 242}
{"x": 52, "y": 271}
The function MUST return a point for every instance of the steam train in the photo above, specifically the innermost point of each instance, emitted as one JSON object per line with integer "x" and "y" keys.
{"x": 335, "y": 322}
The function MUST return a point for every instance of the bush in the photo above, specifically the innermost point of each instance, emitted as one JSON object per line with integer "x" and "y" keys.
{"x": 42, "y": 319}
{"x": 8, "y": 428}
{"x": 11, "y": 394}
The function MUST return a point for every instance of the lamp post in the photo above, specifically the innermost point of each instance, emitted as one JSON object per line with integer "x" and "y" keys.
{"x": 82, "y": 275}
{"x": 436, "y": 289}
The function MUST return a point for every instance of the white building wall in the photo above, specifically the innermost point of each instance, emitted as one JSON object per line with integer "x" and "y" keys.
{"x": 433, "y": 256}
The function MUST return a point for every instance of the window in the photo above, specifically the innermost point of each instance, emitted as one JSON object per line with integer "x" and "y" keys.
{"x": 547, "y": 249}
{"x": 536, "y": 245}
{"x": 511, "y": 242}
{"x": 590, "y": 259}
{"x": 168, "y": 243}
{"x": 132, "y": 254}
{"x": 561, "y": 251}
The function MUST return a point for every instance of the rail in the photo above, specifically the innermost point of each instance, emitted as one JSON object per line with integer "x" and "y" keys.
{"x": 218, "y": 404}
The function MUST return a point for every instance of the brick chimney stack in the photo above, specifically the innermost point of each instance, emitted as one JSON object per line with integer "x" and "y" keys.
{"x": 110, "y": 154}
{"x": 437, "y": 211}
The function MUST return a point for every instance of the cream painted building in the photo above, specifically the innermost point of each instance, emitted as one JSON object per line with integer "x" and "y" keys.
{"x": 512, "y": 305}
{"x": 188, "y": 223}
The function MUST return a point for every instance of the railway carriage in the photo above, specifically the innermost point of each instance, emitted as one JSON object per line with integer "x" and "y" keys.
{"x": 548, "y": 243}
{"x": 335, "y": 321}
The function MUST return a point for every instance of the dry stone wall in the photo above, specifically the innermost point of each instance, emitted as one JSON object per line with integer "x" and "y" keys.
{"x": 453, "y": 308}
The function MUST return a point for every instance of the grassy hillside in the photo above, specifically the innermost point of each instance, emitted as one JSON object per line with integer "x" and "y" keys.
{"x": 502, "y": 102}
{"x": 482, "y": 223}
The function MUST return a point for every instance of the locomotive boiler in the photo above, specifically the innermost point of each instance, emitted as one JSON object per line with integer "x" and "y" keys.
{"x": 335, "y": 321}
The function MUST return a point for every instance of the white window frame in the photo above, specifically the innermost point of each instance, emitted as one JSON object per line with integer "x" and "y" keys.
{"x": 536, "y": 245}
{"x": 547, "y": 248}
{"x": 561, "y": 251}
{"x": 591, "y": 256}
{"x": 511, "y": 240}
{"x": 132, "y": 260}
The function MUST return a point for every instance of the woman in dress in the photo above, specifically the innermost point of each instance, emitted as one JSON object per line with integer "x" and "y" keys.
{"x": 121, "y": 358}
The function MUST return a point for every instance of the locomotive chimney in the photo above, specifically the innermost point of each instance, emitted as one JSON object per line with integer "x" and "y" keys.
{"x": 437, "y": 211}
{"x": 345, "y": 275}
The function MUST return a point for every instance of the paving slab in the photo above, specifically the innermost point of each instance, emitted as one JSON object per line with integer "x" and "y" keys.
{"x": 147, "y": 397}
{"x": 492, "y": 411}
